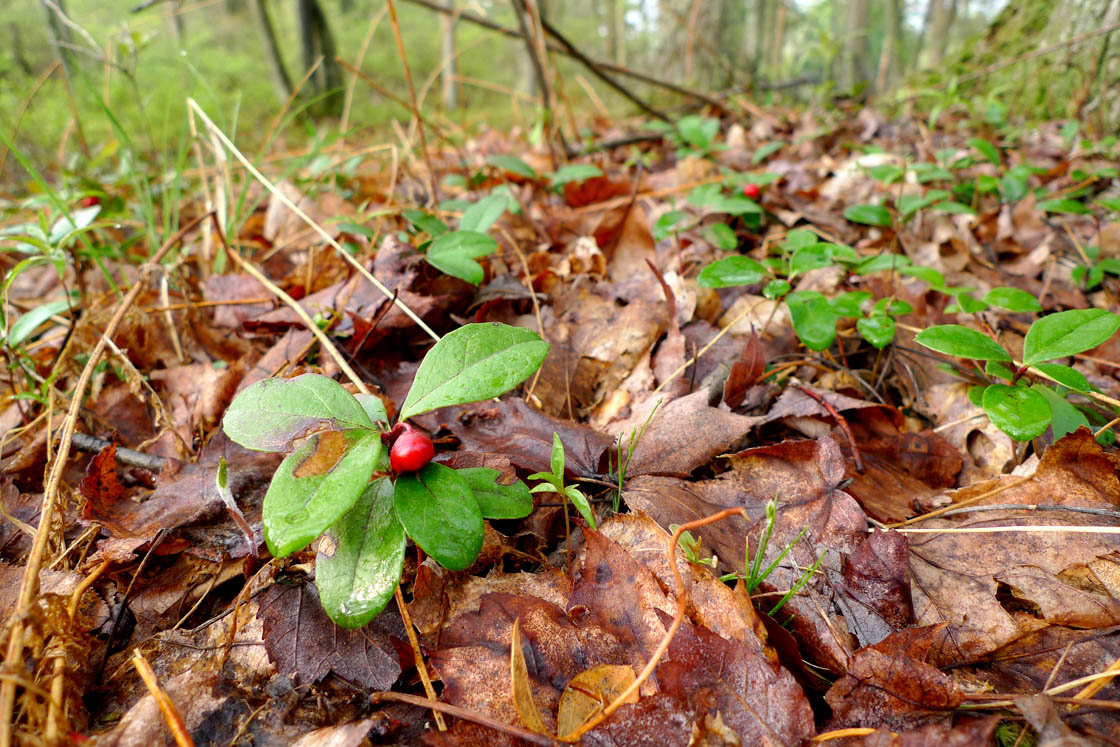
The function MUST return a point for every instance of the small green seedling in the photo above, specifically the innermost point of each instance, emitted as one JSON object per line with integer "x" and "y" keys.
{"x": 1022, "y": 409}
{"x": 323, "y": 486}
{"x": 553, "y": 482}
{"x": 454, "y": 252}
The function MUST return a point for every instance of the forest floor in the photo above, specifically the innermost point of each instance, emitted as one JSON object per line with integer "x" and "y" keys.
{"x": 939, "y": 552}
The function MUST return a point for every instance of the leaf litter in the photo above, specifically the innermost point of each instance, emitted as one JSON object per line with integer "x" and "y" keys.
{"x": 862, "y": 624}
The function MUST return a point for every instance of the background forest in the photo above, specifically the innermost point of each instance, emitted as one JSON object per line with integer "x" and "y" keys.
{"x": 131, "y": 66}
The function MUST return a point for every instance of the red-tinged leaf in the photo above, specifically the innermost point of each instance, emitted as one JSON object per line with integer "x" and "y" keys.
{"x": 103, "y": 491}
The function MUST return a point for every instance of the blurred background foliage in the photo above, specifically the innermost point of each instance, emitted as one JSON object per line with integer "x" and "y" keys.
{"x": 81, "y": 78}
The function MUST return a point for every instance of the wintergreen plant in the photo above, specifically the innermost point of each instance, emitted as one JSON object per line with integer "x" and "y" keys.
{"x": 1019, "y": 407}
{"x": 323, "y": 487}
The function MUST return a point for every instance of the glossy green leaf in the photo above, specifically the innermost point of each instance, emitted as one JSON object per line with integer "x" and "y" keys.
{"x": 731, "y": 271}
{"x": 986, "y": 149}
{"x": 298, "y": 509}
{"x": 1068, "y": 377}
{"x": 556, "y": 460}
{"x": 472, "y": 363}
{"x": 910, "y": 204}
{"x": 999, "y": 371}
{"x": 765, "y": 151}
{"x": 482, "y": 214}
{"x": 877, "y": 330}
{"x": 668, "y": 224}
{"x": 1064, "y": 417}
{"x": 887, "y": 173}
{"x": 440, "y": 514}
{"x": 1068, "y": 333}
{"x": 373, "y": 407}
{"x": 967, "y": 303}
{"x": 697, "y": 131}
{"x": 850, "y": 304}
{"x": 513, "y": 165}
{"x": 429, "y": 224}
{"x": 360, "y": 560}
{"x": 880, "y": 263}
{"x": 955, "y": 208}
{"x": 1063, "y": 205}
{"x": 799, "y": 238}
{"x": 870, "y": 215}
{"x": 1012, "y": 299}
{"x": 26, "y": 325}
{"x": 891, "y": 307}
{"x": 811, "y": 257}
{"x": 721, "y": 235}
{"x": 930, "y": 276}
{"x": 963, "y": 342}
{"x": 455, "y": 253}
{"x": 776, "y": 288}
{"x": 813, "y": 319}
{"x": 975, "y": 394}
{"x": 497, "y": 501}
{"x": 1111, "y": 204}
{"x": 1018, "y": 411}
{"x": 269, "y": 414}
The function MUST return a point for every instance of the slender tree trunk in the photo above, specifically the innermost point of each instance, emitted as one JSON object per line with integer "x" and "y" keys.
{"x": 855, "y": 45}
{"x": 943, "y": 12}
{"x": 59, "y": 35}
{"x": 890, "y": 61}
{"x": 449, "y": 69}
{"x": 280, "y": 80}
{"x": 317, "y": 41}
{"x": 618, "y": 31}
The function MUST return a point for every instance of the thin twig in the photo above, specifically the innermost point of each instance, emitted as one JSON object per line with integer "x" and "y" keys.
{"x": 840, "y": 420}
{"x": 166, "y": 705}
{"x": 454, "y": 710}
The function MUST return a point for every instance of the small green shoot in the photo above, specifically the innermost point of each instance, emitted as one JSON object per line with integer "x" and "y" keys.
{"x": 553, "y": 482}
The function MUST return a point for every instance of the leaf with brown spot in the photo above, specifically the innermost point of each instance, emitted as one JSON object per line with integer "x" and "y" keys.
{"x": 329, "y": 449}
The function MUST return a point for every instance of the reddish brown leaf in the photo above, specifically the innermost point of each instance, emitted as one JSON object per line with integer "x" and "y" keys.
{"x": 306, "y": 646}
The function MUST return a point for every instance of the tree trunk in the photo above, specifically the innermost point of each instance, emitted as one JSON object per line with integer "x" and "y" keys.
{"x": 281, "y": 83}
{"x": 59, "y": 35}
{"x": 890, "y": 61}
{"x": 317, "y": 41}
{"x": 855, "y": 67}
{"x": 942, "y": 12}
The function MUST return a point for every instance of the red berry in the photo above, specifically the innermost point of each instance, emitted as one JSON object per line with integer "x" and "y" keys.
{"x": 89, "y": 201}
{"x": 411, "y": 451}
{"x": 751, "y": 191}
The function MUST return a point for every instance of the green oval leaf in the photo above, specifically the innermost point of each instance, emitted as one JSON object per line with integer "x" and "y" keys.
{"x": 731, "y": 271}
{"x": 1064, "y": 417}
{"x": 359, "y": 566}
{"x": 454, "y": 254}
{"x": 1012, "y": 299}
{"x": 268, "y": 415}
{"x": 849, "y": 303}
{"x": 482, "y": 214}
{"x": 1068, "y": 333}
{"x": 986, "y": 149}
{"x": 475, "y": 362}
{"x": 26, "y": 325}
{"x": 496, "y": 501}
{"x": 877, "y": 330}
{"x": 811, "y": 257}
{"x": 1064, "y": 205}
{"x": 721, "y": 235}
{"x": 813, "y": 319}
{"x": 513, "y": 165}
{"x": 954, "y": 339}
{"x": 870, "y": 215}
{"x": 298, "y": 509}
{"x": 1019, "y": 412}
{"x": 1066, "y": 376}
{"x": 440, "y": 513}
